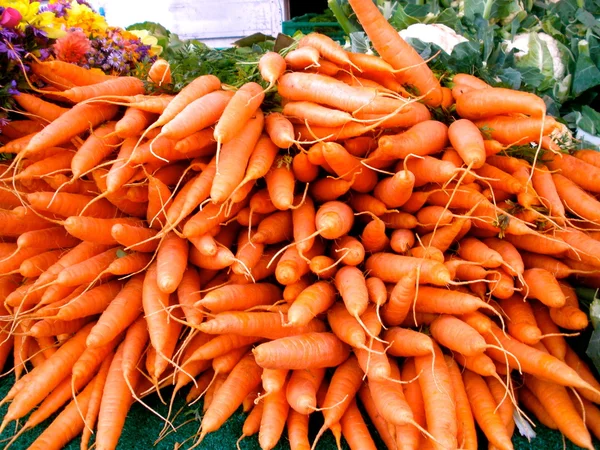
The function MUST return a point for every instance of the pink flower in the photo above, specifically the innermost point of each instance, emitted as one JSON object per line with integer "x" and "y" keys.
{"x": 10, "y": 18}
{"x": 72, "y": 47}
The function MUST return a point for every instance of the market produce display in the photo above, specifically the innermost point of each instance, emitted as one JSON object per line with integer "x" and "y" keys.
{"x": 377, "y": 244}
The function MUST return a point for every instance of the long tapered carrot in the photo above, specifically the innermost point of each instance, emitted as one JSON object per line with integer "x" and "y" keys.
{"x": 483, "y": 406}
{"x": 243, "y": 379}
{"x": 116, "y": 401}
{"x": 397, "y": 52}
{"x": 438, "y": 398}
{"x": 77, "y": 120}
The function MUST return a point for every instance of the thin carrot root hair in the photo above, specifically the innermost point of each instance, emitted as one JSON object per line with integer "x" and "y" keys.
{"x": 403, "y": 69}
{"x": 314, "y": 408}
{"x": 145, "y": 405}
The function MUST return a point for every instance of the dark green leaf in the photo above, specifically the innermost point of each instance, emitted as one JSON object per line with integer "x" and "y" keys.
{"x": 473, "y": 8}
{"x": 586, "y": 75}
{"x": 588, "y": 20}
{"x": 511, "y": 78}
{"x": 401, "y": 20}
{"x": 449, "y": 18}
{"x": 531, "y": 76}
{"x": 593, "y": 349}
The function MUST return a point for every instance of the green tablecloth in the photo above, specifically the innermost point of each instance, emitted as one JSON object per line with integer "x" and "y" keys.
{"x": 142, "y": 428}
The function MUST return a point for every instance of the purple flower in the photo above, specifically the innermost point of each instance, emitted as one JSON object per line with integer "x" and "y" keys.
{"x": 10, "y": 18}
{"x": 3, "y": 122}
{"x": 45, "y": 53}
{"x": 6, "y": 34}
{"x": 115, "y": 59}
{"x": 12, "y": 90}
{"x": 11, "y": 50}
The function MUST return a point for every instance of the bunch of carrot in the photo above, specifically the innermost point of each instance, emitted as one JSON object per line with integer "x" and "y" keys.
{"x": 346, "y": 249}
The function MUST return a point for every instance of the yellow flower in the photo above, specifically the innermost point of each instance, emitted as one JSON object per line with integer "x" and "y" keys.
{"x": 148, "y": 39}
{"x": 27, "y": 10}
{"x": 81, "y": 16}
{"x": 44, "y": 21}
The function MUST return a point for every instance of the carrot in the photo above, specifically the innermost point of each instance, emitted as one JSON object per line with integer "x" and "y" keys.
{"x": 410, "y": 67}
{"x": 355, "y": 430}
{"x": 47, "y": 239}
{"x": 522, "y": 324}
{"x": 244, "y": 378}
{"x": 542, "y": 285}
{"x": 54, "y": 327}
{"x": 304, "y": 351}
{"x": 119, "y": 314}
{"x": 91, "y": 302}
{"x": 46, "y": 377}
{"x": 466, "y": 436}
{"x": 171, "y": 262}
{"x": 279, "y": 129}
{"x": 315, "y": 114}
{"x": 65, "y": 205}
{"x": 94, "y": 229}
{"x": 559, "y": 406}
{"x": 38, "y": 108}
{"x": 580, "y": 366}
{"x": 119, "y": 86}
{"x": 575, "y": 199}
{"x": 554, "y": 342}
{"x": 205, "y": 112}
{"x": 390, "y": 268}
{"x": 131, "y": 237}
{"x": 424, "y": 138}
{"x": 569, "y": 316}
{"x": 313, "y": 300}
{"x": 301, "y": 390}
{"x": 87, "y": 271}
{"x": 457, "y": 335}
{"x": 438, "y": 398}
{"x": 73, "y": 122}
{"x": 537, "y": 261}
{"x": 302, "y": 58}
{"x": 533, "y": 361}
{"x": 510, "y": 130}
{"x": 322, "y": 89}
{"x": 376, "y": 418}
{"x": 297, "y": 430}
{"x": 483, "y": 406}
{"x": 67, "y": 425}
{"x": 349, "y": 167}
{"x": 95, "y": 400}
{"x": 133, "y": 122}
{"x": 116, "y": 401}
{"x": 47, "y": 167}
{"x": 530, "y": 401}
{"x": 252, "y": 422}
{"x": 327, "y": 47}
{"x": 242, "y": 106}
{"x": 239, "y": 297}
{"x": 280, "y": 183}
{"x": 160, "y": 72}
{"x": 345, "y": 382}
{"x": 479, "y": 103}
{"x": 96, "y": 147}
{"x": 572, "y": 168}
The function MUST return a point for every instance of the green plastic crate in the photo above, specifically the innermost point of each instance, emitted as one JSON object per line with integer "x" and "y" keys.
{"x": 303, "y": 24}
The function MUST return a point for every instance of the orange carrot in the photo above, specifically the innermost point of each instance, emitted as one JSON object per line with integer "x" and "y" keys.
{"x": 412, "y": 70}
{"x": 483, "y": 406}
{"x": 303, "y": 351}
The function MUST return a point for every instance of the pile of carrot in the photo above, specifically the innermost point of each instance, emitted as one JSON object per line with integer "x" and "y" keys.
{"x": 348, "y": 249}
